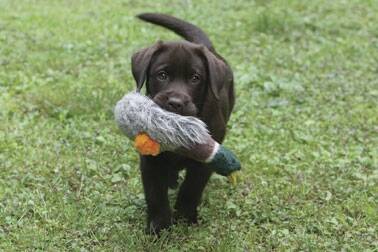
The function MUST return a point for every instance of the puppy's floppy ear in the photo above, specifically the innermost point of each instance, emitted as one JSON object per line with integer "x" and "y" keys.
{"x": 219, "y": 72}
{"x": 140, "y": 63}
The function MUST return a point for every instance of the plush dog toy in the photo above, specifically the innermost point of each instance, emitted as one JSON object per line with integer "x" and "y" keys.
{"x": 155, "y": 130}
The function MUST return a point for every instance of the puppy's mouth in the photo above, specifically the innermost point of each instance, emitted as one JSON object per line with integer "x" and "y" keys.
{"x": 176, "y": 103}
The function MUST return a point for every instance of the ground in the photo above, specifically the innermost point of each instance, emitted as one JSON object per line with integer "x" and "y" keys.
{"x": 305, "y": 126}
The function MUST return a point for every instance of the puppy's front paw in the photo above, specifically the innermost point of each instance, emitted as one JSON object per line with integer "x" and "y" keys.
{"x": 189, "y": 215}
{"x": 156, "y": 225}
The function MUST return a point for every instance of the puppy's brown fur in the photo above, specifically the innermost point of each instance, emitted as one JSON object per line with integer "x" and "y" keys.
{"x": 188, "y": 78}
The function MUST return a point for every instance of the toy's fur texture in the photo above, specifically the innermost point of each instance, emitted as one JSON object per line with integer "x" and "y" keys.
{"x": 136, "y": 113}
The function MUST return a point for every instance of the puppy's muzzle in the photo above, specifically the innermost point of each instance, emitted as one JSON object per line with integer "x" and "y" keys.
{"x": 176, "y": 102}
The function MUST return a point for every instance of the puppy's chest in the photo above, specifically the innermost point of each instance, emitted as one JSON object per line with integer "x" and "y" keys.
{"x": 176, "y": 161}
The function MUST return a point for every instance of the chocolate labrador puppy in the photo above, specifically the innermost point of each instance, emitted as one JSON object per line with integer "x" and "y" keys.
{"x": 188, "y": 78}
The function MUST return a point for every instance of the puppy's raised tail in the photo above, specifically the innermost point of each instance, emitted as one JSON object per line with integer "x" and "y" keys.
{"x": 186, "y": 30}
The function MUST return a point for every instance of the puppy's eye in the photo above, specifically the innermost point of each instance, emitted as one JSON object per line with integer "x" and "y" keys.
{"x": 162, "y": 76}
{"x": 195, "y": 78}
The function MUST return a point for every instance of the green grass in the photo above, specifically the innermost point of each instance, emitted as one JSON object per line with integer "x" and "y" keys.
{"x": 305, "y": 126}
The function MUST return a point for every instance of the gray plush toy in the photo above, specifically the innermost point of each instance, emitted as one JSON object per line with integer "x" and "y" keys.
{"x": 155, "y": 130}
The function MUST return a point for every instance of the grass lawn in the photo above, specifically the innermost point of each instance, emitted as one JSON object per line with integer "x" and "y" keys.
{"x": 305, "y": 126}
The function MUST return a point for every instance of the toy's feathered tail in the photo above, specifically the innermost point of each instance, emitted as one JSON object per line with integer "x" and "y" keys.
{"x": 136, "y": 113}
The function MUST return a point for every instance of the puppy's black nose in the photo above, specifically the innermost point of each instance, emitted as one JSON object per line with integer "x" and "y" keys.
{"x": 175, "y": 104}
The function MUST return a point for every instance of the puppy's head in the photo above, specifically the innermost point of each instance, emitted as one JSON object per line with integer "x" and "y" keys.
{"x": 179, "y": 76}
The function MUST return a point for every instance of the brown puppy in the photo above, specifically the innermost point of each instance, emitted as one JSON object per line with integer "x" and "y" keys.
{"x": 188, "y": 78}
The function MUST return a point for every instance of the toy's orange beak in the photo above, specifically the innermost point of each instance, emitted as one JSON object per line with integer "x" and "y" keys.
{"x": 146, "y": 145}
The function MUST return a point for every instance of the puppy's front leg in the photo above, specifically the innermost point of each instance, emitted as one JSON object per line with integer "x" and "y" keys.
{"x": 190, "y": 193}
{"x": 155, "y": 184}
